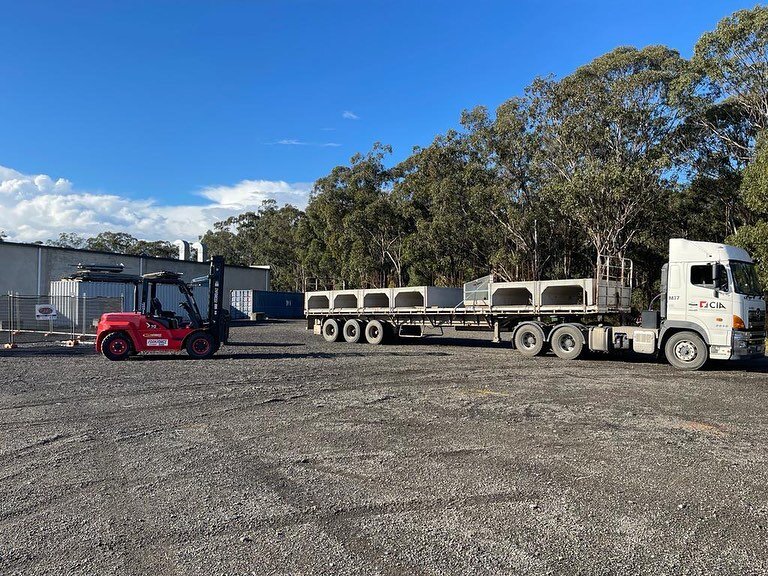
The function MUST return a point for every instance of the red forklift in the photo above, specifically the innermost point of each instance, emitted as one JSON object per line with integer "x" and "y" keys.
{"x": 150, "y": 328}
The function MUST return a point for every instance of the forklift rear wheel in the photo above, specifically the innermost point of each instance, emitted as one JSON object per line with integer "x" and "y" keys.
{"x": 200, "y": 346}
{"x": 331, "y": 330}
{"x": 353, "y": 331}
{"x": 117, "y": 346}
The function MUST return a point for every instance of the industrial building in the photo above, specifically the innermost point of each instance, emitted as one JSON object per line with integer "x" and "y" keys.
{"x": 29, "y": 269}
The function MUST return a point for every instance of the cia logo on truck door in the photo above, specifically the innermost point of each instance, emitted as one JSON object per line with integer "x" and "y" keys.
{"x": 706, "y": 305}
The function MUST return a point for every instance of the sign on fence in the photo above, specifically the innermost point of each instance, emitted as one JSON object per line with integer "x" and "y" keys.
{"x": 46, "y": 312}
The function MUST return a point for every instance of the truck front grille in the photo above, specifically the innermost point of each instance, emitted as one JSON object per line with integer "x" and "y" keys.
{"x": 756, "y": 319}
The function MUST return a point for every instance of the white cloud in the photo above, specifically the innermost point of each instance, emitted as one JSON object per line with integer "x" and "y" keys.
{"x": 349, "y": 115}
{"x": 37, "y": 207}
{"x": 294, "y": 142}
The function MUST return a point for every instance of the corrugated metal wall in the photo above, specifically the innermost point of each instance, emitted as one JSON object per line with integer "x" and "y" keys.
{"x": 63, "y": 291}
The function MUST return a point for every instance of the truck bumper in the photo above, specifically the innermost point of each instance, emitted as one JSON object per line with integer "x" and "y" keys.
{"x": 747, "y": 345}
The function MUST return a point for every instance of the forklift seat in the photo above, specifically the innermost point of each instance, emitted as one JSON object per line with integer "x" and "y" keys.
{"x": 166, "y": 318}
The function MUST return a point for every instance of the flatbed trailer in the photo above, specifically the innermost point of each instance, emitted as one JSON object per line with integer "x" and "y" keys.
{"x": 721, "y": 319}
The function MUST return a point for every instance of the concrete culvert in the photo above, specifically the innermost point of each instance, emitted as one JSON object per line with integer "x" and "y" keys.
{"x": 374, "y": 332}
{"x": 353, "y": 331}
{"x": 331, "y": 331}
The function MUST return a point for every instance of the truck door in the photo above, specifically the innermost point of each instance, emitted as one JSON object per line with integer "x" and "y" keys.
{"x": 709, "y": 302}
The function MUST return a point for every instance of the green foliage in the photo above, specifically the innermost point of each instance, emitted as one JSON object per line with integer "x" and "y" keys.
{"x": 609, "y": 141}
{"x": 733, "y": 62}
{"x": 269, "y": 236}
{"x": 118, "y": 242}
{"x": 753, "y": 237}
{"x": 754, "y": 186}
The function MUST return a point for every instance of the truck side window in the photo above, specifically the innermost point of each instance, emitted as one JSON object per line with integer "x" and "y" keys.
{"x": 701, "y": 275}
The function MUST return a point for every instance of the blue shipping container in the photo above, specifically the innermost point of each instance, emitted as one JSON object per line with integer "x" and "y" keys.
{"x": 271, "y": 304}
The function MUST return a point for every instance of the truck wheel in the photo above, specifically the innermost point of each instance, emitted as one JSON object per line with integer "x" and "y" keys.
{"x": 529, "y": 339}
{"x": 353, "y": 331}
{"x": 686, "y": 351}
{"x": 200, "y": 346}
{"x": 567, "y": 342}
{"x": 374, "y": 332}
{"x": 117, "y": 346}
{"x": 331, "y": 330}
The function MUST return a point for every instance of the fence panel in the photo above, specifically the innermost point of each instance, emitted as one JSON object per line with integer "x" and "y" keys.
{"x": 34, "y": 318}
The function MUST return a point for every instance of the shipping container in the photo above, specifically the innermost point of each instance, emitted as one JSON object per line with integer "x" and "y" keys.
{"x": 271, "y": 304}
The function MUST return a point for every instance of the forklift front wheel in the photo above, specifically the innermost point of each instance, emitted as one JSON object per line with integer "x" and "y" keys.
{"x": 201, "y": 345}
{"x": 117, "y": 346}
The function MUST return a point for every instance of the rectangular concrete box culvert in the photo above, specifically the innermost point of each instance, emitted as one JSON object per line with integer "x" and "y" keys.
{"x": 346, "y": 299}
{"x": 427, "y": 297}
{"x": 377, "y": 298}
{"x": 557, "y": 294}
{"x": 320, "y": 300}
{"x": 515, "y": 294}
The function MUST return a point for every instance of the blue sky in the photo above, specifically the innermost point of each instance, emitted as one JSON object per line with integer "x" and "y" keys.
{"x": 160, "y": 103}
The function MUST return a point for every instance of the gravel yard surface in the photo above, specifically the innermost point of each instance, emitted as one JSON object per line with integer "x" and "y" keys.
{"x": 288, "y": 455}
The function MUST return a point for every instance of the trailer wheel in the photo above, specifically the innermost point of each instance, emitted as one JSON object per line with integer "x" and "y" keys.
{"x": 200, "y": 346}
{"x": 686, "y": 351}
{"x": 567, "y": 342}
{"x": 529, "y": 339}
{"x": 374, "y": 332}
{"x": 331, "y": 330}
{"x": 353, "y": 331}
{"x": 117, "y": 346}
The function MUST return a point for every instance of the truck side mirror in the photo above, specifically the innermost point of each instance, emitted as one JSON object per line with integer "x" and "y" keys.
{"x": 719, "y": 278}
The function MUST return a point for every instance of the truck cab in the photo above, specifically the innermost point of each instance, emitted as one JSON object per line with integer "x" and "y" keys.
{"x": 711, "y": 290}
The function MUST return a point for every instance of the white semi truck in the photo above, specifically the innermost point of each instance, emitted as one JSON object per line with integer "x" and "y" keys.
{"x": 711, "y": 306}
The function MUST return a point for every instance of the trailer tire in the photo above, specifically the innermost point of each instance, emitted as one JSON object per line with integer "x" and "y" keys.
{"x": 375, "y": 332}
{"x": 353, "y": 331}
{"x": 117, "y": 346}
{"x": 567, "y": 342}
{"x": 331, "y": 331}
{"x": 529, "y": 339}
{"x": 686, "y": 350}
{"x": 200, "y": 346}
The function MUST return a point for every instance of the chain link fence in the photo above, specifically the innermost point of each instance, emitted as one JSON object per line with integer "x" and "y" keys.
{"x": 41, "y": 318}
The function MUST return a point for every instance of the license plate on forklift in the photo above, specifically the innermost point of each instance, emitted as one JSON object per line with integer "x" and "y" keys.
{"x": 157, "y": 342}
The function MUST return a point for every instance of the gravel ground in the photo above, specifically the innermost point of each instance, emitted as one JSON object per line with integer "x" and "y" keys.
{"x": 288, "y": 455}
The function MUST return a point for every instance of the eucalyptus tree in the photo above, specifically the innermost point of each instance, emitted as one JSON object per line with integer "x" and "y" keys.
{"x": 731, "y": 63}
{"x": 353, "y": 230}
{"x": 610, "y": 137}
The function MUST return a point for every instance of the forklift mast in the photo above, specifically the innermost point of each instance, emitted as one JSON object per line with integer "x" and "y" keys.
{"x": 218, "y": 318}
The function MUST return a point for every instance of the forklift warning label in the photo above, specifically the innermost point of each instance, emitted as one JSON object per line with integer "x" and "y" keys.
{"x": 157, "y": 342}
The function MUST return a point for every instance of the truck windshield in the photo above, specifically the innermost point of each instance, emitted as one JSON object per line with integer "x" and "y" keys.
{"x": 745, "y": 279}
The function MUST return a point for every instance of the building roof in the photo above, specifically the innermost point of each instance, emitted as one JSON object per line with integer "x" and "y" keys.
{"x": 103, "y": 252}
